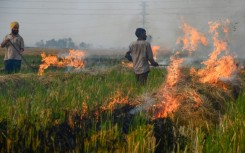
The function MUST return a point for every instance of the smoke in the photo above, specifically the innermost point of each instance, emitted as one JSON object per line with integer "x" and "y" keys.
{"x": 115, "y": 29}
{"x": 146, "y": 103}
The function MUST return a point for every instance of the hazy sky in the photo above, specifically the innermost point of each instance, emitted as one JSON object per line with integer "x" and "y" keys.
{"x": 112, "y": 23}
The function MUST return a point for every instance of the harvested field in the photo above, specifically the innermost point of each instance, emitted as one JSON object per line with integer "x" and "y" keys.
{"x": 57, "y": 121}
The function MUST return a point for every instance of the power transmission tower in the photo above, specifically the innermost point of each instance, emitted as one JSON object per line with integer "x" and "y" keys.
{"x": 143, "y": 14}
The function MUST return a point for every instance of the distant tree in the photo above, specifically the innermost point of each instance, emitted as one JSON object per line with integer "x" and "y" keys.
{"x": 84, "y": 45}
{"x": 62, "y": 43}
{"x": 51, "y": 43}
{"x": 40, "y": 44}
{"x": 70, "y": 44}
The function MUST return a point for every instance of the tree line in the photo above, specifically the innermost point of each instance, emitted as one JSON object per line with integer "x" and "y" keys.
{"x": 62, "y": 43}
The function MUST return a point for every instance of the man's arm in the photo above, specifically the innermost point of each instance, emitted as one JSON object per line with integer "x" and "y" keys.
{"x": 128, "y": 56}
{"x": 4, "y": 43}
{"x": 150, "y": 55}
{"x": 22, "y": 45}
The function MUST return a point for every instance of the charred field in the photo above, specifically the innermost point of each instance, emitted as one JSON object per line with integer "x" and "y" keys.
{"x": 106, "y": 111}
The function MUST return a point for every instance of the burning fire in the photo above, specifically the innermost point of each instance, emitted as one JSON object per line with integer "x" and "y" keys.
{"x": 191, "y": 38}
{"x": 169, "y": 105}
{"x": 73, "y": 59}
{"x": 195, "y": 96}
{"x": 220, "y": 64}
{"x": 170, "y": 102}
{"x": 154, "y": 51}
{"x": 117, "y": 99}
{"x": 173, "y": 71}
{"x": 171, "y": 98}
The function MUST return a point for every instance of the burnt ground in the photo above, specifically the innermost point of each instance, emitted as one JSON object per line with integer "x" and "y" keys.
{"x": 64, "y": 137}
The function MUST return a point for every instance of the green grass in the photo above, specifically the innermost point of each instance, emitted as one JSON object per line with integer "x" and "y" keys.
{"x": 33, "y": 61}
{"x": 31, "y": 104}
{"x": 70, "y": 90}
{"x": 227, "y": 136}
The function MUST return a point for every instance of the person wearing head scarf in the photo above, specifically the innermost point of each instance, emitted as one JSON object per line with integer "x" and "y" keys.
{"x": 141, "y": 54}
{"x": 14, "y": 44}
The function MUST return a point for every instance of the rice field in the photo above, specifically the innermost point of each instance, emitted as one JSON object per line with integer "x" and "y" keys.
{"x": 102, "y": 109}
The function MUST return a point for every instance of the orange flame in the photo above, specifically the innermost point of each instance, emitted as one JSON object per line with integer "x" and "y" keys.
{"x": 117, "y": 99}
{"x": 84, "y": 110}
{"x": 191, "y": 38}
{"x": 170, "y": 101}
{"x": 169, "y": 105}
{"x": 154, "y": 51}
{"x": 195, "y": 96}
{"x": 173, "y": 71}
{"x": 218, "y": 65}
{"x": 172, "y": 98}
{"x": 74, "y": 59}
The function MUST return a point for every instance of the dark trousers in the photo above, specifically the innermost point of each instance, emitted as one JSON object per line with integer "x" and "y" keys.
{"x": 12, "y": 66}
{"x": 141, "y": 78}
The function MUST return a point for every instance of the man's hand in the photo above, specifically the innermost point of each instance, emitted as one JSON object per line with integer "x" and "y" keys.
{"x": 7, "y": 40}
{"x": 128, "y": 56}
{"x": 21, "y": 51}
{"x": 4, "y": 43}
{"x": 155, "y": 64}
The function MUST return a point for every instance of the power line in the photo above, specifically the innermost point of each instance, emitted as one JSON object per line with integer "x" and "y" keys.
{"x": 65, "y": 1}
{"x": 117, "y": 9}
{"x": 197, "y": 7}
{"x": 143, "y": 13}
{"x": 68, "y": 1}
{"x": 97, "y": 2}
{"x": 121, "y": 14}
{"x": 166, "y": 8}
{"x": 40, "y": 8}
{"x": 109, "y": 14}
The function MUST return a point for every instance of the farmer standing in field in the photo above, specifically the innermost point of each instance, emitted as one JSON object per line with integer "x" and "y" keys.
{"x": 140, "y": 53}
{"x": 13, "y": 41}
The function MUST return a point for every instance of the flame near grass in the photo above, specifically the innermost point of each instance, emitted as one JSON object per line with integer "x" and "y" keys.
{"x": 73, "y": 59}
{"x": 171, "y": 101}
{"x": 172, "y": 97}
{"x": 220, "y": 63}
{"x": 155, "y": 49}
